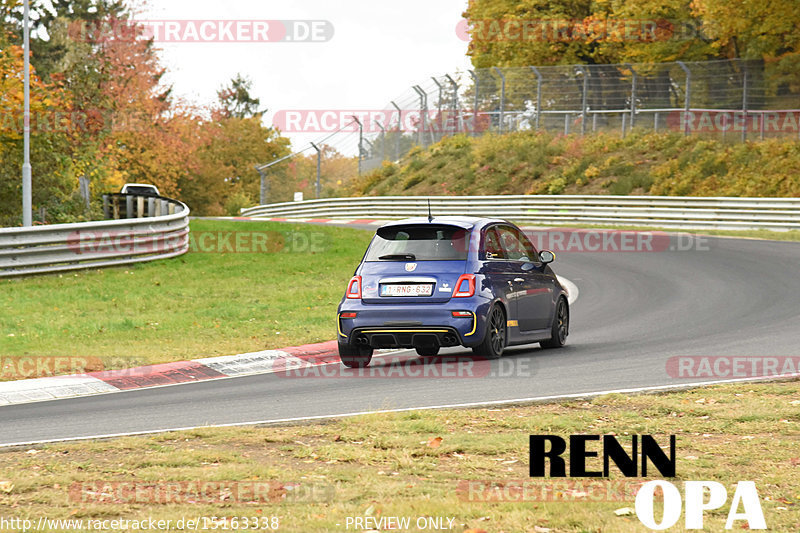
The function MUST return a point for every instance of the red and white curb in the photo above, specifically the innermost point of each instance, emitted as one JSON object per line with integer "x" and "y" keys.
{"x": 73, "y": 386}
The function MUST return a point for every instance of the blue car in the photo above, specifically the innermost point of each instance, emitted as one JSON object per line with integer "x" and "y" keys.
{"x": 428, "y": 283}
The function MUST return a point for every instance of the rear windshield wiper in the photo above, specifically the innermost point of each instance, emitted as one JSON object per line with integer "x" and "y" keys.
{"x": 397, "y": 257}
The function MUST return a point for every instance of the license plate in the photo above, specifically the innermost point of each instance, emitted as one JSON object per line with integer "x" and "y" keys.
{"x": 407, "y": 289}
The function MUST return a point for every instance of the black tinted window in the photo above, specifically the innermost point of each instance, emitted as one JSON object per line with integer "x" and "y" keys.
{"x": 428, "y": 242}
{"x": 517, "y": 245}
{"x": 492, "y": 246}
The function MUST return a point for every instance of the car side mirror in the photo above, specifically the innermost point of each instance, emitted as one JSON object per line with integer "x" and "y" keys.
{"x": 546, "y": 256}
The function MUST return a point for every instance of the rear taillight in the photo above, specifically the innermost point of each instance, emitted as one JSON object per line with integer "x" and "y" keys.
{"x": 354, "y": 288}
{"x": 465, "y": 286}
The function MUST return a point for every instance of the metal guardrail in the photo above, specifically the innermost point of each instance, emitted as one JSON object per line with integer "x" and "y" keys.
{"x": 144, "y": 228}
{"x": 779, "y": 214}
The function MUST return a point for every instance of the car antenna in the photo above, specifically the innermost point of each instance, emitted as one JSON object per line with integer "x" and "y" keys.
{"x": 430, "y": 216}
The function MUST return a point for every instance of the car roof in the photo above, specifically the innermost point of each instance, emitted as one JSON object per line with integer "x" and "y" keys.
{"x": 148, "y": 185}
{"x": 461, "y": 222}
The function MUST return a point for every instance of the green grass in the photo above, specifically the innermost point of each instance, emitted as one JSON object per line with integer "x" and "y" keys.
{"x": 389, "y": 464}
{"x": 201, "y": 304}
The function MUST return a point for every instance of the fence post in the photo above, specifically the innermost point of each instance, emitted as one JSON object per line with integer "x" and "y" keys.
{"x": 399, "y": 130}
{"x": 633, "y": 94}
{"x": 263, "y": 187}
{"x": 455, "y": 106}
{"x": 360, "y": 141}
{"x": 383, "y": 140}
{"x": 83, "y": 187}
{"x": 319, "y": 169}
{"x": 538, "y": 95}
{"x": 583, "y": 71}
{"x": 423, "y": 109}
{"x": 566, "y": 123}
{"x": 744, "y": 105}
{"x": 502, "y": 96}
{"x": 624, "y": 117}
{"x": 687, "y": 96}
{"x": 475, "y": 104}
{"x": 439, "y": 109}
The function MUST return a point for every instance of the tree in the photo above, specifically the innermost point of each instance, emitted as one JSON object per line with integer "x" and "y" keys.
{"x": 225, "y": 177}
{"x": 750, "y": 29}
{"x": 86, "y": 21}
{"x": 52, "y": 177}
{"x": 687, "y": 30}
{"x": 235, "y": 99}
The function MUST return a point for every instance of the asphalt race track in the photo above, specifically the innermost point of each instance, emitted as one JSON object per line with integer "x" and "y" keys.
{"x": 636, "y": 310}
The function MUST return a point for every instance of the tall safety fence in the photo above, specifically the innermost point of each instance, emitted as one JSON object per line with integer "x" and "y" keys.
{"x": 731, "y": 100}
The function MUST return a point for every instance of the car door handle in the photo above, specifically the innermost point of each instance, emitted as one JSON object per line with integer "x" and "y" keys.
{"x": 519, "y": 280}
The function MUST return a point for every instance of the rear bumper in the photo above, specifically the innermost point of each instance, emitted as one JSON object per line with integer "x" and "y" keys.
{"x": 389, "y": 326}
{"x": 405, "y": 337}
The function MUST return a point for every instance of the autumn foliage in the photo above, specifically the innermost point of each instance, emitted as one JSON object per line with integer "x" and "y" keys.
{"x": 100, "y": 110}
{"x": 600, "y": 32}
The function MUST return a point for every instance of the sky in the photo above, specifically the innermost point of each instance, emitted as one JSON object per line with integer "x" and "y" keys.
{"x": 379, "y": 48}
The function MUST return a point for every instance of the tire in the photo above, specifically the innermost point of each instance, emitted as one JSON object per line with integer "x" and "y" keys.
{"x": 494, "y": 340}
{"x": 560, "y": 328}
{"x": 355, "y": 356}
{"x": 427, "y": 351}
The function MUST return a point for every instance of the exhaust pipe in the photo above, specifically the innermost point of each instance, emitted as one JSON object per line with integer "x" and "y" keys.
{"x": 450, "y": 340}
{"x": 362, "y": 339}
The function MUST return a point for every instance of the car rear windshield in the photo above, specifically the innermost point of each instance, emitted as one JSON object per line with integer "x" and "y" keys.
{"x": 141, "y": 190}
{"x": 429, "y": 242}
